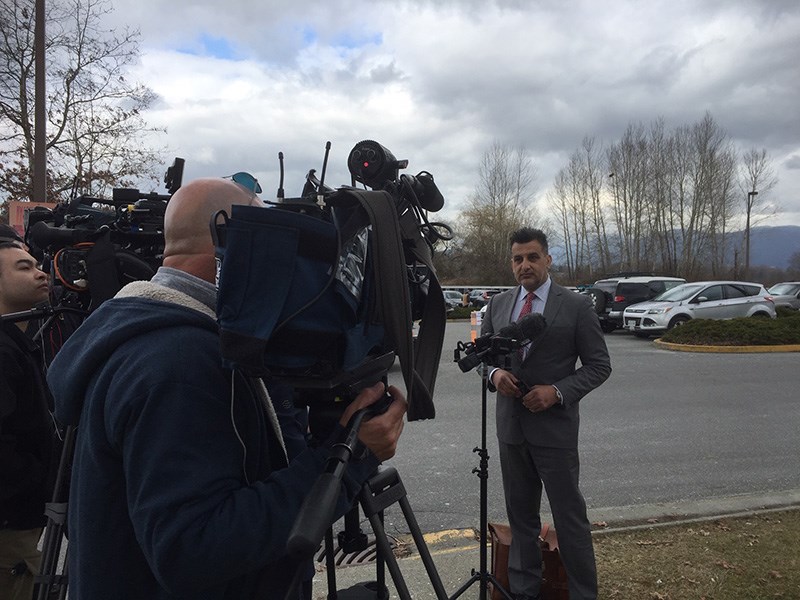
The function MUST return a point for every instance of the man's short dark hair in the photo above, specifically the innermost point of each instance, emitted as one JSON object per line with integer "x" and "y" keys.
{"x": 8, "y": 244}
{"x": 9, "y": 234}
{"x": 529, "y": 234}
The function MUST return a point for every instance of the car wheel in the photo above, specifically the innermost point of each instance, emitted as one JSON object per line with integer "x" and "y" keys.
{"x": 607, "y": 326}
{"x": 677, "y": 321}
{"x": 761, "y": 315}
{"x": 598, "y": 298}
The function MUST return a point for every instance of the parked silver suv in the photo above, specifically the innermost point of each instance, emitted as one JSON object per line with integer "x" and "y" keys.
{"x": 611, "y": 296}
{"x": 699, "y": 300}
{"x": 786, "y": 294}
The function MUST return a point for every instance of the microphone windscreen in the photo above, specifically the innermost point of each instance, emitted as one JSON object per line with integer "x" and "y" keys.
{"x": 512, "y": 330}
{"x": 531, "y": 325}
{"x": 432, "y": 199}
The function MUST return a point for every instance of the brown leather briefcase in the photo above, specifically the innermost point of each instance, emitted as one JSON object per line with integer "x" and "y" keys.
{"x": 554, "y": 577}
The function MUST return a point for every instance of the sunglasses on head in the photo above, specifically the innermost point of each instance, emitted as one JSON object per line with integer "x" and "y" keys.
{"x": 246, "y": 180}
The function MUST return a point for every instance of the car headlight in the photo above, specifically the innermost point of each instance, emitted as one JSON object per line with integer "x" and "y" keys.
{"x": 659, "y": 311}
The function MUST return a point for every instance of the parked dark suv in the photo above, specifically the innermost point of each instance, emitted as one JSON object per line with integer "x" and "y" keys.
{"x": 613, "y": 295}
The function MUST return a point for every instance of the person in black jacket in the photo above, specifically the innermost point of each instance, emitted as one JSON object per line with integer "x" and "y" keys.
{"x": 26, "y": 426}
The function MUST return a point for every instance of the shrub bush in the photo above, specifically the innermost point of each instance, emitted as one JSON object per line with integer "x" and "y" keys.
{"x": 784, "y": 312}
{"x": 460, "y": 312}
{"x": 749, "y": 331}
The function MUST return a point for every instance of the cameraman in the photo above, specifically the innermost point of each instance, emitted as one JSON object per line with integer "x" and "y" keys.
{"x": 26, "y": 427}
{"x": 180, "y": 485}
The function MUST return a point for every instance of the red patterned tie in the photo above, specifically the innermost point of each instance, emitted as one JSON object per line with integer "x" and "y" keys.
{"x": 526, "y": 310}
{"x": 526, "y": 307}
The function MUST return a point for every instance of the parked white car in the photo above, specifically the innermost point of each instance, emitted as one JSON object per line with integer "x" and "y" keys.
{"x": 452, "y": 298}
{"x": 698, "y": 300}
{"x": 786, "y": 294}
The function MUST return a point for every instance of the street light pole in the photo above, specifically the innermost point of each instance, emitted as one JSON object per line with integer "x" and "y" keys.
{"x": 40, "y": 116}
{"x": 749, "y": 206}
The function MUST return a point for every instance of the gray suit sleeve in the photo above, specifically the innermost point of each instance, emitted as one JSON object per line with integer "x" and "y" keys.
{"x": 593, "y": 353}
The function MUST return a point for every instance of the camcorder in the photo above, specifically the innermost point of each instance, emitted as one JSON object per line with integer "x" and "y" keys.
{"x": 322, "y": 291}
{"x": 91, "y": 247}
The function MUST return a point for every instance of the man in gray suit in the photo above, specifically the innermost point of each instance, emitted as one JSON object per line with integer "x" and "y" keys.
{"x": 538, "y": 430}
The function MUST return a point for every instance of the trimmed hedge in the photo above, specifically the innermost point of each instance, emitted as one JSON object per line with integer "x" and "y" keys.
{"x": 747, "y": 331}
{"x": 461, "y": 312}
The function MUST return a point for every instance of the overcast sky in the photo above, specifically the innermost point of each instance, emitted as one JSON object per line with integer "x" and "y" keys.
{"x": 437, "y": 82}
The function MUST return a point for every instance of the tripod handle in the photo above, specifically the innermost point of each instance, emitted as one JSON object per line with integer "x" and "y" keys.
{"x": 315, "y": 517}
{"x": 317, "y": 512}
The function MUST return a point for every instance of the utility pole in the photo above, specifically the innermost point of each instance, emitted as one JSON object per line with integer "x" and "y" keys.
{"x": 40, "y": 115}
{"x": 749, "y": 206}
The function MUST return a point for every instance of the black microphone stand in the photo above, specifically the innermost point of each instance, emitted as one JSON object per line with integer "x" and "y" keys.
{"x": 499, "y": 346}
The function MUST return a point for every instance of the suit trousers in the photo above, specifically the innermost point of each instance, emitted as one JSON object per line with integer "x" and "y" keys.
{"x": 525, "y": 469}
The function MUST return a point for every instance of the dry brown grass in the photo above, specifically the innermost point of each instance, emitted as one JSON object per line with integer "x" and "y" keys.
{"x": 753, "y": 558}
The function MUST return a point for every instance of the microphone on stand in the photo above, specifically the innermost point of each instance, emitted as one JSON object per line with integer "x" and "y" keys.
{"x": 509, "y": 338}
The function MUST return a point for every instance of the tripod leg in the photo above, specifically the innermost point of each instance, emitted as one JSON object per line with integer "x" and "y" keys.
{"x": 381, "y": 491}
{"x": 380, "y": 568}
{"x": 475, "y": 577}
{"x": 330, "y": 564}
{"x": 422, "y": 548}
{"x": 385, "y": 550}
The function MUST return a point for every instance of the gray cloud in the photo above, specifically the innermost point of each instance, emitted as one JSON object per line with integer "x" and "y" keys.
{"x": 438, "y": 82}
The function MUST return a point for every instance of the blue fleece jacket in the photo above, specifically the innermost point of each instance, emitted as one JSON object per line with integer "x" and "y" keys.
{"x": 179, "y": 490}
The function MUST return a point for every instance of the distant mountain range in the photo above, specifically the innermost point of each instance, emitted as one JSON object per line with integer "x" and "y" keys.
{"x": 770, "y": 246}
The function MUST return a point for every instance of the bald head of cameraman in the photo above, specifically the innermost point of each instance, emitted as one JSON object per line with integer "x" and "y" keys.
{"x": 180, "y": 485}
{"x": 26, "y": 428}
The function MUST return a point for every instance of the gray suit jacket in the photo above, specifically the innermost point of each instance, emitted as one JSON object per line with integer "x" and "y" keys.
{"x": 572, "y": 333}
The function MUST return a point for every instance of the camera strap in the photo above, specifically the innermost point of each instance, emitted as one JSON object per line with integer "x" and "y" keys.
{"x": 419, "y": 372}
{"x": 396, "y": 242}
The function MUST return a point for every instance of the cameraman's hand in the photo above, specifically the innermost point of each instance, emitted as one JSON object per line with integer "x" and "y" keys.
{"x": 381, "y": 432}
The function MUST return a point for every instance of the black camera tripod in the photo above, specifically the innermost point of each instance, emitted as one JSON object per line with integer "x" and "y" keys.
{"x": 382, "y": 490}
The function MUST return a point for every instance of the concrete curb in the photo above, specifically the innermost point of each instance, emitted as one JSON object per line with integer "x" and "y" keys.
{"x": 629, "y": 518}
{"x": 727, "y": 349}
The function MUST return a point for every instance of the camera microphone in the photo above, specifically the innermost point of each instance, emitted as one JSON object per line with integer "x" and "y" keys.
{"x": 520, "y": 332}
{"x": 509, "y": 338}
{"x": 527, "y": 328}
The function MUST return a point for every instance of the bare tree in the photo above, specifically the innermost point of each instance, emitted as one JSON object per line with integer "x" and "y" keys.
{"x": 757, "y": 180}
{"x": 501, "y": 203}
{"x": 670, "y": 203}
{"x": 794, "y": 264}
{"x": 704, "y": 169}
{"x": 571, "y": 215}
{"x": 630, "y": 178}
{"x": 95, "y": 125}
{"x": 576, "y": 200}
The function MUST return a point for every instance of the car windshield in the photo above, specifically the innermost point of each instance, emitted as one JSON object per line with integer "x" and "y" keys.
{"x": 784, "y": 288}
{"x": 678, "y": 293}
